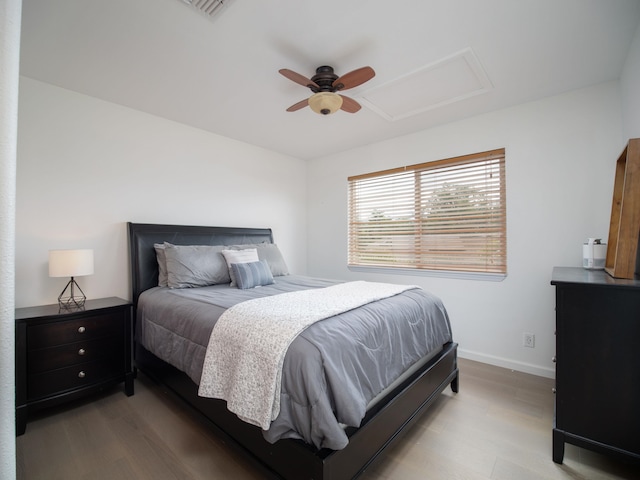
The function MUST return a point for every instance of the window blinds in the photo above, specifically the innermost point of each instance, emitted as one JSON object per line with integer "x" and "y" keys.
{"x": 444, "y": 215}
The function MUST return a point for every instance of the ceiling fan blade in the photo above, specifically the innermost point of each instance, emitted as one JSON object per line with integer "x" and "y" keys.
{"x": 299, "y": 105}
{"x": 349, "y": 105}
{"x": 354, "y": 78}
{"x": 296, "y": 77}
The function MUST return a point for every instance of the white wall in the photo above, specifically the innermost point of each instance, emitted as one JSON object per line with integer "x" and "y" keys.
{"x": 86, "y": 167}
{"x": 630, "y": 86}
{"x": 560, "y": 157}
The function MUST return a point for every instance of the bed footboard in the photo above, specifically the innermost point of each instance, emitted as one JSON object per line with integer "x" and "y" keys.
{"x": 293, "y": 459}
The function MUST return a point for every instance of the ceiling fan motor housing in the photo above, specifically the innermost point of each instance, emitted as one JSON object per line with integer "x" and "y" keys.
{"x": 324, "y": 78}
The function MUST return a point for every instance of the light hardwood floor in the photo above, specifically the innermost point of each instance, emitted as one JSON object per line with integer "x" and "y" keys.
{"x": 498, "y": 427}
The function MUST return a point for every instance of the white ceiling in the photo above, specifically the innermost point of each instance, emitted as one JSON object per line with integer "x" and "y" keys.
{"x": 221, "y": 74}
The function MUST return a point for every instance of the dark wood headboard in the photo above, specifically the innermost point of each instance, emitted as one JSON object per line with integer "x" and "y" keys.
{"x": 142, "y": 255}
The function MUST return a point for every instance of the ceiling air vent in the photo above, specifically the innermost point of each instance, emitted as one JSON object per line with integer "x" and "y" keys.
{"x": 208, "y": 8}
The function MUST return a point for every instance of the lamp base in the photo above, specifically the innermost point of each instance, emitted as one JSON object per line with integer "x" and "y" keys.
{"x": 69, "y": 298}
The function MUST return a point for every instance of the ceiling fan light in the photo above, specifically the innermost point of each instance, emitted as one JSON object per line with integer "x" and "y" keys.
{"x": 325, "y": 103}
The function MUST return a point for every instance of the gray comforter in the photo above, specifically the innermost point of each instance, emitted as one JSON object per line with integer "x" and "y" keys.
{"x": 332, "y": 370}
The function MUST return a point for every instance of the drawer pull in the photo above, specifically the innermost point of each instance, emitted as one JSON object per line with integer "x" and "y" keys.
{"x": 81, "y": 374}
{"x": 81, "y": 329}
{"x": 81, "y": 351}
{"x": 554, "y": 359}
{"x": 553, "y": 390}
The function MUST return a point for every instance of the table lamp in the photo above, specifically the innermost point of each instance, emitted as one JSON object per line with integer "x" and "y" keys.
{"x": 71, "y": 263}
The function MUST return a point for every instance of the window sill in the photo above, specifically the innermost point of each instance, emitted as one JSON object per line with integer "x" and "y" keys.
{"x": 486, "y": 277}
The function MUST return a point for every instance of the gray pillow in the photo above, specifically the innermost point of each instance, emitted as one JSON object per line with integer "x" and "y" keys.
{"x": 195, "y": 265}
{"x": 252, "y": 274}
{"x": 271, "y": 254}
{"x": 162, "y": 264}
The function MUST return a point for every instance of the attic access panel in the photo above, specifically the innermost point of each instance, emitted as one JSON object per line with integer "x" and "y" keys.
{"x": 452, "y": 79}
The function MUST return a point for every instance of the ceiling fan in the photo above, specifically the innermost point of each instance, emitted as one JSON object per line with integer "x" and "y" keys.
{"x": 324, "y": 85}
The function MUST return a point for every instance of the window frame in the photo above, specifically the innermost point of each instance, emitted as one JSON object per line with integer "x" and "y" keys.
{"x": 480, "y": 201}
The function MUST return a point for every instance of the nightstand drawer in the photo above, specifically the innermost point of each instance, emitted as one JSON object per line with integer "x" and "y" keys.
{"x": 77, "y": 376}
{"x": 45, "y": 359}
{"x": 70, "y": 331}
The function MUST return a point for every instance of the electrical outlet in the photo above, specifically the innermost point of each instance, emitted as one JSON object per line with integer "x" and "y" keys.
{"x": 528, "y": 340}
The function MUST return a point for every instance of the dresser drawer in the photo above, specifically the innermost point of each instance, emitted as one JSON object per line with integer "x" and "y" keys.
{"x": 70, "y": 331}
{"x": 45, "y": 359}
{"x": 77, "y": 376}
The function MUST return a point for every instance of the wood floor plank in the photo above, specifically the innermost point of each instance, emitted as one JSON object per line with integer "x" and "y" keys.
{"x": 497, "y": 428}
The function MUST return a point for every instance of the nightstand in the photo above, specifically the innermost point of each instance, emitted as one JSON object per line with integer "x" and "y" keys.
{"x": 63, "y": 354}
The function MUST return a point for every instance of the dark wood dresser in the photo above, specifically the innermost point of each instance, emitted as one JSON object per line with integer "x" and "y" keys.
{"x": 65, "y": 354}
{"x": 597, "y": 401}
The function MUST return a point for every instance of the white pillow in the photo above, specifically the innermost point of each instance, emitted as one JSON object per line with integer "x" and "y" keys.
{"x": 247, "y": 255}
{"x": 270, "y": 253}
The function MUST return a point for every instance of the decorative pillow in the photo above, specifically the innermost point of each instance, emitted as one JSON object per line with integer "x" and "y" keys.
{"x": 271, "y": 253}
{"x": 195, "y": 265}
{"x": 252, "y": 274}
{"x": 162, "y": 264}
{"x": 239, "y": 256}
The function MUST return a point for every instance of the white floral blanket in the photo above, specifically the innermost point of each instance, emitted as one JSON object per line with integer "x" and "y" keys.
{"x": 246, "y": 350}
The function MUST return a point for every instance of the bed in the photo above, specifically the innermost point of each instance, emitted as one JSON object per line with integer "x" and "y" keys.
{"x": 387, "y": 416}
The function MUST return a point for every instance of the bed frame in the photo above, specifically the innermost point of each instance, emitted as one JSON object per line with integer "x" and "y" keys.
{"x": 285, "y": 459}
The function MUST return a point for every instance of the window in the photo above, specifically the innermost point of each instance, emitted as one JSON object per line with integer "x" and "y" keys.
{"x": 447, "y": 215}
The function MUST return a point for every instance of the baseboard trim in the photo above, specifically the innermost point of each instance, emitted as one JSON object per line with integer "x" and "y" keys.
{"x": 506, "y": 363}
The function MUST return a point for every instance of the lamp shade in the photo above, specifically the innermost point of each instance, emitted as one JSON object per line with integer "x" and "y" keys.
{"x": 70, "y": 263}
{"x": 325, "y": 103}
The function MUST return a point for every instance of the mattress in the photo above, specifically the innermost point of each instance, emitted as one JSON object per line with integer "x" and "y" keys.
{"x": 332, "y": 371}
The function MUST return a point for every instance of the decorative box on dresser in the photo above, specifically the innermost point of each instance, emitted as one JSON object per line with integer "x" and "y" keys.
{"x": 597, "y": 401}
{"x": 64, "y": 354}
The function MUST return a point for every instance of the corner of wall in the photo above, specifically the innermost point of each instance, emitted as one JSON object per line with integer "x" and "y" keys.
{"x": 630, "y": 89}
